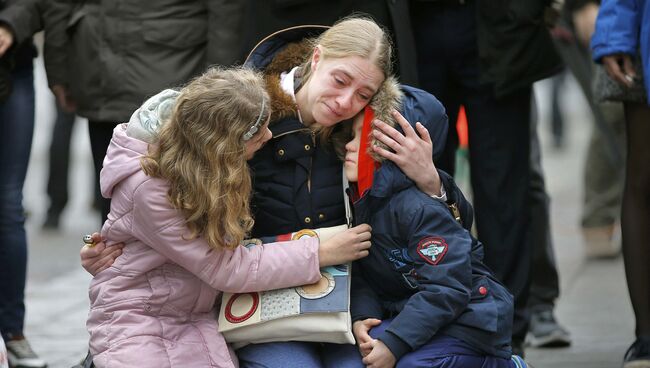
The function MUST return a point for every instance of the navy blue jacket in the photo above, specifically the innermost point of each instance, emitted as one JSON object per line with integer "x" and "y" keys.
{"x": 425, "y": 270}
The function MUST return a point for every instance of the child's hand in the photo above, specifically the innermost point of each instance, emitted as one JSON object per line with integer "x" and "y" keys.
{"x": 380, "y": 356}
{"x": 360, "y": 330}
{"x": 97, "y": 257}
{"x": 345, "y": 246}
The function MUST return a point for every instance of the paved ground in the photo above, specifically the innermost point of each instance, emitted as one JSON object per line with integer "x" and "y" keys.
{"x": 594, "y": 304}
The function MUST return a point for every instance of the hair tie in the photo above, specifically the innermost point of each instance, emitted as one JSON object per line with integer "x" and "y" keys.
{"x": 255, "y": 127}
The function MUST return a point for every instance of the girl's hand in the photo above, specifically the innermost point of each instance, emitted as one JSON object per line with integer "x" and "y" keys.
{"x": 97, "y": 257}
{"x": 346, "y": 246}
{"x": 413, "y": 152}
{"x": 380, "y": 356}
{"x": 620, "y": 68}
{"x": 360, "y": 330}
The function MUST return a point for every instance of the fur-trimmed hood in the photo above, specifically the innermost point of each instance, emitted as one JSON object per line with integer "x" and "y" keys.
{"x": 280, "y": 52}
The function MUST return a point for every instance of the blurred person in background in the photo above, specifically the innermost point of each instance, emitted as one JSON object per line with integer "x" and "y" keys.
{"x": 604, "y": 165}
{"x": 621, "y": 43}
{"x": 116, "y": 54}
{"x": 259, "y": 18}
{"x": 19, "y": 20}
{"x": 480, "y": 54}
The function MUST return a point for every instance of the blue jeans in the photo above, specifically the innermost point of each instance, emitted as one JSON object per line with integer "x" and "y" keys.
{"x": 296, "y": 354}
{"x": 16, "y": 128}
{"x": 447, "y": 352}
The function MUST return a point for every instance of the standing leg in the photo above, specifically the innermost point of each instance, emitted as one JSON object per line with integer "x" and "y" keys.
{"x": 16, "y": 130}
{"x": 603, "y": 183}
{"x": 57, "y": 180}
{"x": 545, "y": 286}
{"x": 499, "y": 140}
{"x": 635, "y": 230}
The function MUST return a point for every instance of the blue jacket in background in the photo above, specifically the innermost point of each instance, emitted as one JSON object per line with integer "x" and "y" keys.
{"x": 623, "y": 26}
{"x": 425, "y": 270}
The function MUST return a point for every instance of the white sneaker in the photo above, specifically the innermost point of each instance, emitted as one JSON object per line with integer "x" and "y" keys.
{"x": 21, "y": 355}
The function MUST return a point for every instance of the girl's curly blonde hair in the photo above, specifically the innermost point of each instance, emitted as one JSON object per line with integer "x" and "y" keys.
{"x": 201, "y": 151}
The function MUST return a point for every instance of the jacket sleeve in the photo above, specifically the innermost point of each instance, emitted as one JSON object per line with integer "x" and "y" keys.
{"x": 440, "y": 248}
{"x": 258, "y": 268}
{"x": 364, "y": 302}
{"x": 225, "y": 23}
{"x": 617, "y": 28}
{"x": 24, "y": 18}
{"x": 55, "y": 18}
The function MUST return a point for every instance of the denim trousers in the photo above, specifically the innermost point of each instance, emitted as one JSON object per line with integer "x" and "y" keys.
{"x": 297, "y": 354}
{"x": 16, "y": 129}
{"x": 446, "y": 352}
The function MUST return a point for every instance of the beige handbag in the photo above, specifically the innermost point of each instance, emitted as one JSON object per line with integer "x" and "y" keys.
{"x": 319, "y": 312}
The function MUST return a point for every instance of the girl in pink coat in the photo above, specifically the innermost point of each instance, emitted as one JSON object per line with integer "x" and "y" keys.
{"x": 179, "y": 203}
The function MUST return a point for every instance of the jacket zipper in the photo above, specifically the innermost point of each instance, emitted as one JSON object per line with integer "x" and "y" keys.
{"x": 455, "y": 212}
{"x": 311, "y": 160}
{"x": 290, "y": 132}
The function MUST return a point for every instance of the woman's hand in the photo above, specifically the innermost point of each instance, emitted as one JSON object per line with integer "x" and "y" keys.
{"x": 413, "y": 152}
{"x": 6, "y": 39}
{"x": 360, "y": 330}
{"x": 380, "y": 356}
{"x": 98, "y": 257}
{"x": 346, "y": 246}
{"x": 620, "y": 68}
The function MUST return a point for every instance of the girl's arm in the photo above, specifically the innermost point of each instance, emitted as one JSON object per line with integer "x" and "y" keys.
{"x": 265, "y": 267}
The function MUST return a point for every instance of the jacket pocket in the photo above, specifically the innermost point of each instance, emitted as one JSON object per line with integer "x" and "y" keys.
{"x": 160, "y": 291}
{"x": 176, "y": 33}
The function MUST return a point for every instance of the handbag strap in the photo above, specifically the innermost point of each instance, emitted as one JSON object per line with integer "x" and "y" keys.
{"x": 346, "y": 199}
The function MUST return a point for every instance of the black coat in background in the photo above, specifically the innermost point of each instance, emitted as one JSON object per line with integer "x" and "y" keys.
{"x": 515, "y": 46}
{"x": 259, "y": 18}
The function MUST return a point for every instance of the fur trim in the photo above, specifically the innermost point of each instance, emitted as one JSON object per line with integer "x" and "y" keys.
{"x": 282, "y": 105}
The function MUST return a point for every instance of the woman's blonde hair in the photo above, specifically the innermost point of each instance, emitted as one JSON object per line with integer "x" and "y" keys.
{"x": 201, "y": 151}
{"x": 352, "y": 36}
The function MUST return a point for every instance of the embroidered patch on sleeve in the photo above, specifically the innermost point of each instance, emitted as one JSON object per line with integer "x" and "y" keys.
{"x": 432, "y": 249}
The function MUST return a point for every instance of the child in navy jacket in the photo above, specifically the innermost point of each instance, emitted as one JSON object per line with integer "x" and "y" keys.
{"x": 423, "y": 297}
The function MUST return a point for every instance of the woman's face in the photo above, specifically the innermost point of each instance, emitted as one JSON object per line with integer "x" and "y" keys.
{"x": 338, "y": 88}
{"x": 351, "y": 164}
{"x": 257, "y": 141}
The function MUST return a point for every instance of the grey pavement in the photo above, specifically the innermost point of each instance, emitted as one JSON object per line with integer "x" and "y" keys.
{"x": 594, "y": 304}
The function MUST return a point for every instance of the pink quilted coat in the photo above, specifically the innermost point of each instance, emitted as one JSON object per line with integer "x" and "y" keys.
{"x": 154, "y": 306}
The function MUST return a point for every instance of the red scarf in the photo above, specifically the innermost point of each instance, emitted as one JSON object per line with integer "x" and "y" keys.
{"x": 365, "y": 164}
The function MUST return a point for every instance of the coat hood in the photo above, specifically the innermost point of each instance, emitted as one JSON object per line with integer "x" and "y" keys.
{"x": 122, "y": 159}
{"x": 280, "y": 52}
{"x": 131, "y": 141}
{"x": 416, "y": 106}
